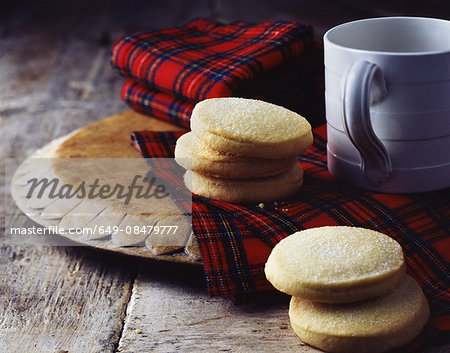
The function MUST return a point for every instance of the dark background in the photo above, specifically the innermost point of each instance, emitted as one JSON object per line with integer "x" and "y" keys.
{"x": 133, "y": 15}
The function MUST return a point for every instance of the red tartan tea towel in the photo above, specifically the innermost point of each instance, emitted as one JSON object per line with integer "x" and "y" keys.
{"x": 236, "y": 240}
{"x": 170, "y": 70}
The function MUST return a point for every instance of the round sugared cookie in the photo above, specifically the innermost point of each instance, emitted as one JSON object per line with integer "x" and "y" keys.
{"x": 254, "y": 190}
{"x": 191, "y": 153}
{"x": 370, "y": 326}
{"x": 336, "y": 264}
{"x": 251, "y": 128}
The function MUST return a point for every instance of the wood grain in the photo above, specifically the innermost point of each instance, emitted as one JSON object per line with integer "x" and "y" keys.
{"x": 110, "y": 137}
{"x": 93, "y": 150}
{"x": 171, "y": 315}
{"x": 56, "y": 299}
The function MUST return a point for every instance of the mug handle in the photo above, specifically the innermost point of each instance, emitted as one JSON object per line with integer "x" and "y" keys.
{"x": 364, "y": 85}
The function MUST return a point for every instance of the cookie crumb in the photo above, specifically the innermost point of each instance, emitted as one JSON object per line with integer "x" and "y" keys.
{"x": 261, "y": 205}
{"x": 138, "y": 331}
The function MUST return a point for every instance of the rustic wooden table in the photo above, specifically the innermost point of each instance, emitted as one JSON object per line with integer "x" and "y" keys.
{"x": 55, "y": 77}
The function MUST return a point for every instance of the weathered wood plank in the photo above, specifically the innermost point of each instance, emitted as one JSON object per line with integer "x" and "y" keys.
{"x": 55, "y": 298}
{"x": 61, "y": 299}
{"x": 171, "y": 312}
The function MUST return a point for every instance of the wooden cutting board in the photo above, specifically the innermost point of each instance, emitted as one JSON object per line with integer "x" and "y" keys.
{"x": 106, "y": 138}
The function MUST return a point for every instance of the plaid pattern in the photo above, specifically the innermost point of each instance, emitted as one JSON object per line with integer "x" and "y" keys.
{"x": 170, "y": 70}
{"x": 236, "y": 240}
{"x": 156, "y": 103}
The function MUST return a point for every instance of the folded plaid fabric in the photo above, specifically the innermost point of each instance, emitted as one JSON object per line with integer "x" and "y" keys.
{"x": 236, "y": 240}
{"x": 158, "y": 104}
{"x": 170, "y": 70}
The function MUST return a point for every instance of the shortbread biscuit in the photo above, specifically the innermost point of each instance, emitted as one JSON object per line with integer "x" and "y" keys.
{"x": 371, "y": 326}
{"x": 336, "y": 264}
{"x": 251, "y": 128}
{"x": 191, "y": 153}
{"x": 246, "y": 190}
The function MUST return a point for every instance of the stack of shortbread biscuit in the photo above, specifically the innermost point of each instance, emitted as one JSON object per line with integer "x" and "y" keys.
{"x": 350, "y": 289}
{"x": 243, "y": 150}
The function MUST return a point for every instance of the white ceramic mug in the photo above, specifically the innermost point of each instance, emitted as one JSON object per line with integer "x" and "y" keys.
{"x": 387, "y": 93}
